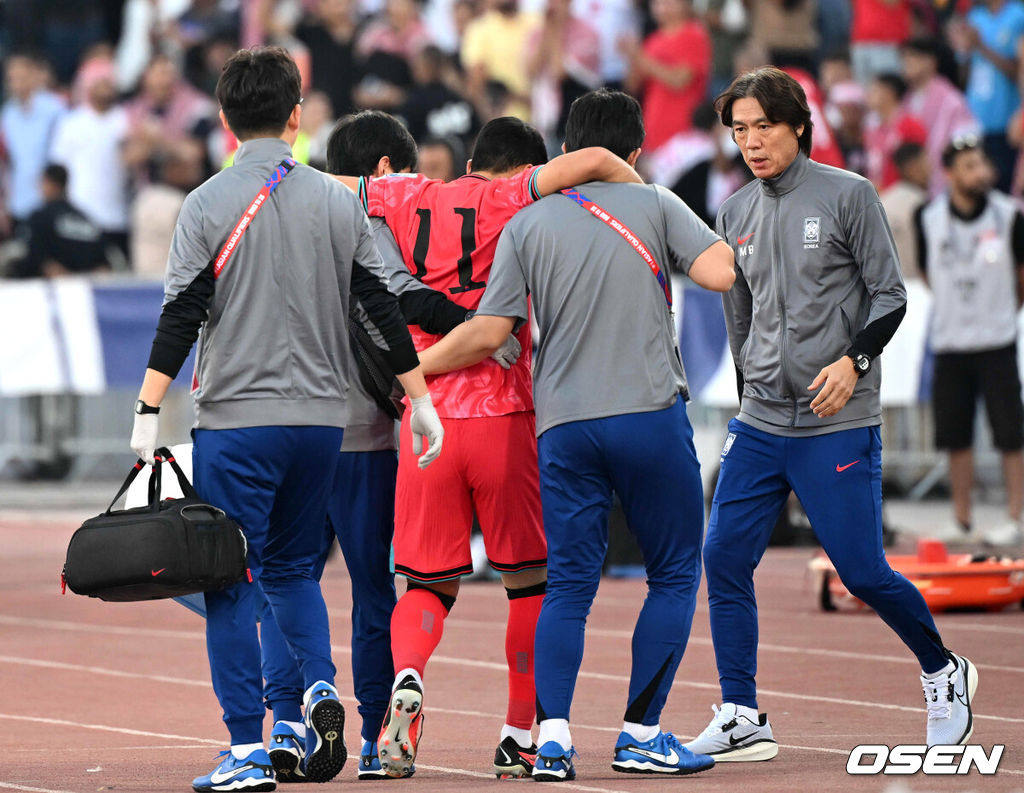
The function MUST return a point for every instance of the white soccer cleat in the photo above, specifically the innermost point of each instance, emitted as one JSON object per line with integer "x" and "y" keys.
{"x": 734, "y": 738}
{"x": 949, "y": 698}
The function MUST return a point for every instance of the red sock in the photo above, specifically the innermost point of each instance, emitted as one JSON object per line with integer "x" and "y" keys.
{"x": 522, "y": 626}
{"x": 416, "y": 627}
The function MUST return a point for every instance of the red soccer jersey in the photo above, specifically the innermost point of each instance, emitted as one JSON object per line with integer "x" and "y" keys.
{"x": 448, "y": 233}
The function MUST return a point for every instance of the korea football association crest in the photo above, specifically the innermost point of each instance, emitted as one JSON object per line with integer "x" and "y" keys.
{"x": 812, "y": 232}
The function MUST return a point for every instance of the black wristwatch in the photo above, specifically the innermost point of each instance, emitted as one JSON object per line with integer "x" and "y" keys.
{"x": 861, "y": 362}
{"x": 143, "y": 409}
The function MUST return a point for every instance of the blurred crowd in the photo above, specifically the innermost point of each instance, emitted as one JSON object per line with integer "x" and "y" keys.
{"x": 108, "y": 117}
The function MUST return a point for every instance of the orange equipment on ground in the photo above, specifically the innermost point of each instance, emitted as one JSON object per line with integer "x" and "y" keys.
{"x": 947, "y": 581}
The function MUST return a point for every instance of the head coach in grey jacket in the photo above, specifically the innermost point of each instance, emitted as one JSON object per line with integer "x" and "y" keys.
{"x": 271, "y": 383}
{"x": 818, "y": 294}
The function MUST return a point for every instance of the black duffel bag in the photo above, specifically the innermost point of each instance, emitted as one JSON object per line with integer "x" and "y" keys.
{"x": 167, "y": 548}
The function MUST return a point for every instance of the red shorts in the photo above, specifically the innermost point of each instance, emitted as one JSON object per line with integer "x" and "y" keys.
{"x": 488, "y": 465}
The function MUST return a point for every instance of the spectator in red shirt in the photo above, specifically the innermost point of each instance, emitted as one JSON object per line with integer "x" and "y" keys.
{"x": 888, "y": 128}
{"x": 670, "y": 71}
{"x": 879, "y": 28}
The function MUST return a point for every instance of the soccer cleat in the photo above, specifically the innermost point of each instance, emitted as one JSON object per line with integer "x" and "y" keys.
{"x": 511, "y": 761}
{"x": 949, "y": 697}
{"x": 403, "y": 727}
{"x": 734, "y": 738}
{"x": 553, "y": 764}
{"x": 287, "y": 753}
{"x": 663, "y": 755}
{"x": 369, "y": 764}
{"x": 325, "y": 733}
{"x": 253, "y": 773}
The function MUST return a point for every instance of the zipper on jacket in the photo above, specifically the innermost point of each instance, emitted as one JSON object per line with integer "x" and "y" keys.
{"x": 780, "y": 290}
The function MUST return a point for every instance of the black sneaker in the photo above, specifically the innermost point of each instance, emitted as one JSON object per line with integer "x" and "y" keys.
{"x": 511, "y": 761}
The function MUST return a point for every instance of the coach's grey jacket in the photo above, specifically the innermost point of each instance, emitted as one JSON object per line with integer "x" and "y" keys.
{"x": 274, "y": 347}
{"x": 816, "y": 274}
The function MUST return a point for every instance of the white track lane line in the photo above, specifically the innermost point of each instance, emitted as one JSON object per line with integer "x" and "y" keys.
{"x": 12, "y": 786}
{"x": 762, "y": 646}
{"x": 464, "y": 662}
{"x": 351, "y": 700}
{"x": 107, "y": 728}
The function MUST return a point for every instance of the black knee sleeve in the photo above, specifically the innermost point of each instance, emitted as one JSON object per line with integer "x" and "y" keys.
{"x": 527, "y": 591}
{"x": 448, "y": 601}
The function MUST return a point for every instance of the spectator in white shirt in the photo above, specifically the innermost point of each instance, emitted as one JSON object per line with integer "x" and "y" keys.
{"x": 88, "y": 143}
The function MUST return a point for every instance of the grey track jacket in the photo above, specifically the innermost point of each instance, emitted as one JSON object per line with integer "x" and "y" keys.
{"x": 274, "y": 346}
{"x": 816, "y": 273}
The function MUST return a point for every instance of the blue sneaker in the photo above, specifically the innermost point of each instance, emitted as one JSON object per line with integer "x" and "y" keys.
{"x": 287, "y": 753}
{"x": 253, "y": 773}
{"x": 325, "y": 733}
{"x": 553, "y": 764}
{"x": 370, "y": 767}
{"x": 663, "y": 755}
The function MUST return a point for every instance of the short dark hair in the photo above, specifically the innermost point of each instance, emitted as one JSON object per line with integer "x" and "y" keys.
{"x": 456, "y": 148}
{"x": 56, "y": 174}
{"x": 906, "y": 153}
{"x": 506, "y": 143}
{"x": 893, "y": 82}
{"x": 257, "y": 90}
{"x": 605, "y": 118}
{"x": 923, "y": 45}
{"x": 358, "y": 141}
{"x": 780, "y": 96}
{"x": 959, "y": 145}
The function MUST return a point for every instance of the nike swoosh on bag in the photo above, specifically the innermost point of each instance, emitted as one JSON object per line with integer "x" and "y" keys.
{"x": 155, "y": 573}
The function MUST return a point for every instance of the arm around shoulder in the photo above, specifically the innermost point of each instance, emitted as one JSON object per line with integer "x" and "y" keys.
{"x": 593, "y": 164}
{"x": 715, "y": 268}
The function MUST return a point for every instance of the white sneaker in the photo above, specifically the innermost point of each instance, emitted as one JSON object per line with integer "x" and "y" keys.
{"x": 733, "y": 738}
{"x": 949, "y": 698}
{"x": 1004, "y": 534}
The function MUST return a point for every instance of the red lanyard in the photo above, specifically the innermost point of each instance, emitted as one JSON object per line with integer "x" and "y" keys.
{"x": 623, "y": 230}
{"x": 275, "y": 179}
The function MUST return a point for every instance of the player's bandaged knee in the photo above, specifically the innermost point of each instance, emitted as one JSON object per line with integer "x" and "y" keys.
{"x": 527, "y": 591}
{"x": 448, "y": 601}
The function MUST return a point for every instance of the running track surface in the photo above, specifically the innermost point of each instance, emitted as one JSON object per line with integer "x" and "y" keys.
{"x": 116, "y": 697}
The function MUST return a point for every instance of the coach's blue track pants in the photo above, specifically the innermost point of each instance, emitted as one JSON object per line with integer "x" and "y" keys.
{"x": 838, "y": 479}
{"x": 275, "y": 482}
{"x": 361, "y": 514}
{"x": 649, "y": 460}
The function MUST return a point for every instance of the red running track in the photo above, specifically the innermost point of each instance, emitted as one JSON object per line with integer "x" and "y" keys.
{"x": 116, "y": 697}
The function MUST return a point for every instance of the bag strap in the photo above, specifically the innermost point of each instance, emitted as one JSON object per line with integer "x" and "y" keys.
{"x": 164, "y": 454}
{"x": 623, "y": 230}
{"x": 280, "y": 172}
{"x": 161, "y": 455}
{"x": 139, "y": 465}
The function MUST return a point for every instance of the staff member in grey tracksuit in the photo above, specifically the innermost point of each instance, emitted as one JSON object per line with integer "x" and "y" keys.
{"x": 271, "y": 386}
{"x": 818, "y": 294}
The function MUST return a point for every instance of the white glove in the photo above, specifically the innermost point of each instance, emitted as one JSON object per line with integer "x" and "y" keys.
{"x": 143, "y": 440}
{"x": 508, "y": 353}
{"x": 425, "y": 423}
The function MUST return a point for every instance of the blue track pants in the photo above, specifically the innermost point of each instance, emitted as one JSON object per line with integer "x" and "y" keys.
{"x": 649, "y": 460}
{"x": 838, "y": 479}
{"x": 275, "y": 482}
